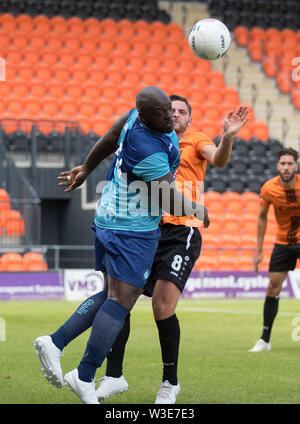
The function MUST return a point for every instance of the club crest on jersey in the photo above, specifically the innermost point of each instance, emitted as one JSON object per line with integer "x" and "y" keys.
{"x": 146, "y": 274}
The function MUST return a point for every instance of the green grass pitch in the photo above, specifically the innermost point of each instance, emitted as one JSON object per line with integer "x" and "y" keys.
{"x": 215, "y": 366}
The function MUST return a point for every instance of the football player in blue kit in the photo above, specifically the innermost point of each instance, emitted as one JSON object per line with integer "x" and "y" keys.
{"x": 126, "y": 240}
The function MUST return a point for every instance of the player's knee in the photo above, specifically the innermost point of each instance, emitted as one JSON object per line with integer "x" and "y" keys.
{"x": 274, "y": 289}
{"x": 162, "y": 309}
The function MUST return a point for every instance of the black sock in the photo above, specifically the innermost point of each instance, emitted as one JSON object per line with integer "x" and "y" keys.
{"x": 270, "y": 312}
{"x": 114, "y": 365}
{"x": 169, "y": 337}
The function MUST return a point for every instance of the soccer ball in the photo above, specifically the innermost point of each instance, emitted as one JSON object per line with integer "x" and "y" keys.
{"x": 209, "y": 39}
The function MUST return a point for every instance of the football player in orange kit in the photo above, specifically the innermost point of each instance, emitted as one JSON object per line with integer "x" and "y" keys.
{"x": 283, "y": 192}
{"x": 179, "y": 247}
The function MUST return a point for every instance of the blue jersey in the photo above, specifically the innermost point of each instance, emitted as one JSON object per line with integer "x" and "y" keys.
{"x": 143, "y": 155}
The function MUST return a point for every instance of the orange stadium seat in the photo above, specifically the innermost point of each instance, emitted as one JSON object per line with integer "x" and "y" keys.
{"x": 105, "y": 109}
{"x": 216, "y": 79}
{"x": 68, "y": 109}
{"x": 33, "y": 261}
{"x": 50, "y": 108}
{"x": 58, "y": 26}
{"x": 214, "y": 95}
{"x": 15, "y": 107}
{"x": 252, "y": 207}
{"x": 247, "y": 241}
{"x": 37, "y": 42}
{"x": 20, "y": 89}
{"x": 211, "y": 112}
{"x": 66, "y": 59}
{"x": 211, "y": 196}
{"x": 87, "y": 109}
{"x": 232, "y": 226}
{"x": 4, "y": 200}
{"x": 26, "y": 73}
{"x": 249, "y": 227}
{"x": 121, "y": 107}
{"x": 246, "y": 132}
{"x": 33, "y": 108}
{"x": 241, "y": 34}
{"x": 38, "y": 89}
{"x": 79, "y": 75}
{"x": 96, "y": 76}
{"x": 210, "y": 128}
{"x": 227, "y": 263}
{"x": 56, "y": 90}
{"x": 135, "y": 62}
{"x": 32, "y": 58}
{"x": 111, "y": 92}
{"x": 73, "y": 91}
{"x": 91, "y": 91}
{"x": 100, "y": 126}
{"x": 12, "y": 262}
{"x": 14, "y": 56}
{"x": 101, "y": 60}
{"x": 215, "y": 227}
{"x": 5, "y": 89}
{"x": 43, "y": 74}
{"x": 245, "y": 263}
{"x": 228, "y": 241}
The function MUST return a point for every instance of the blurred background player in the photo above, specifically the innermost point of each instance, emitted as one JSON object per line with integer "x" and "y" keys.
{"x": 125, "y": 243}
{"x": 178, "y": 249}
{"x": 283, "y": 192}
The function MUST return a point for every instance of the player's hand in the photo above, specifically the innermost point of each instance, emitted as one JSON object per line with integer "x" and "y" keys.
{"x": 234, "y": 121}
{"x": 206, "y": 220}
{"x": 257, "y": 260}
{"x": 73, "y": 179}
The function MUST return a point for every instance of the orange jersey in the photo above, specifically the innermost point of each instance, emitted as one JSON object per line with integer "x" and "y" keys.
{"x": 191, "y": 171}
{"x": 286, "y": 204}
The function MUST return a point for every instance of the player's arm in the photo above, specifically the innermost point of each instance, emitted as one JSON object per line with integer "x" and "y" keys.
{"x": 261, "y": 230}
{"x": 105, "y": 146}
{"x": 173, "y": 202}
{"x": 233, "y": 122}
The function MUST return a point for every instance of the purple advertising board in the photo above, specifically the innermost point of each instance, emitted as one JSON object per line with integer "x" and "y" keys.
{"x": 31, "y": 286}
{"x": 238, "y": 284}
{"x": 77, "y": 285}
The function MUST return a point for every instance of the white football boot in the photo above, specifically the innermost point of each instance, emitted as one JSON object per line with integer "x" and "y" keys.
{"x": 49, "y": 356}
{"x": 110, "y": 386}
{"x": 85, "y": 391}
{"x": 167, "y": 393}
{"x": 260, "y": 346}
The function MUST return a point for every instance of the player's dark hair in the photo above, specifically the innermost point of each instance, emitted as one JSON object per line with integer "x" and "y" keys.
{"x": 288, "y": 151}
{"x": 181, "y": 99}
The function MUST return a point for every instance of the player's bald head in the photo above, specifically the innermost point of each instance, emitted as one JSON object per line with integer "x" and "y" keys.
{"x": 151, "y": 97}
{"x": 155, "y": 109}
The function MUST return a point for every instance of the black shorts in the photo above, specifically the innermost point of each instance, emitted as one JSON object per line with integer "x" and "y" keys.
{"x": 178, "y": 249}
{"x": 284, "y": 257}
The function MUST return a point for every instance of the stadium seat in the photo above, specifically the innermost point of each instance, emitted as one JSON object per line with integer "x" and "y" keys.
{"x": 56, "y": 90}
{"x": 228, "y": 240}
{"x": 33, "y": 261}
{"x": 248, "y": 240}
{"x": 96, "y": 76}
{"x": 12, "y": 261}
{"x": 232, "y": 226}
{"x": 227, "y": 263}
{"x": 252, "y": 206}
{"x": 4, "y": 200}
{"x": 245, "y": 263}
{"x": 91, "y": 91}
{"x": 241, "y": 34}
{"x": 38, "y": 89}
